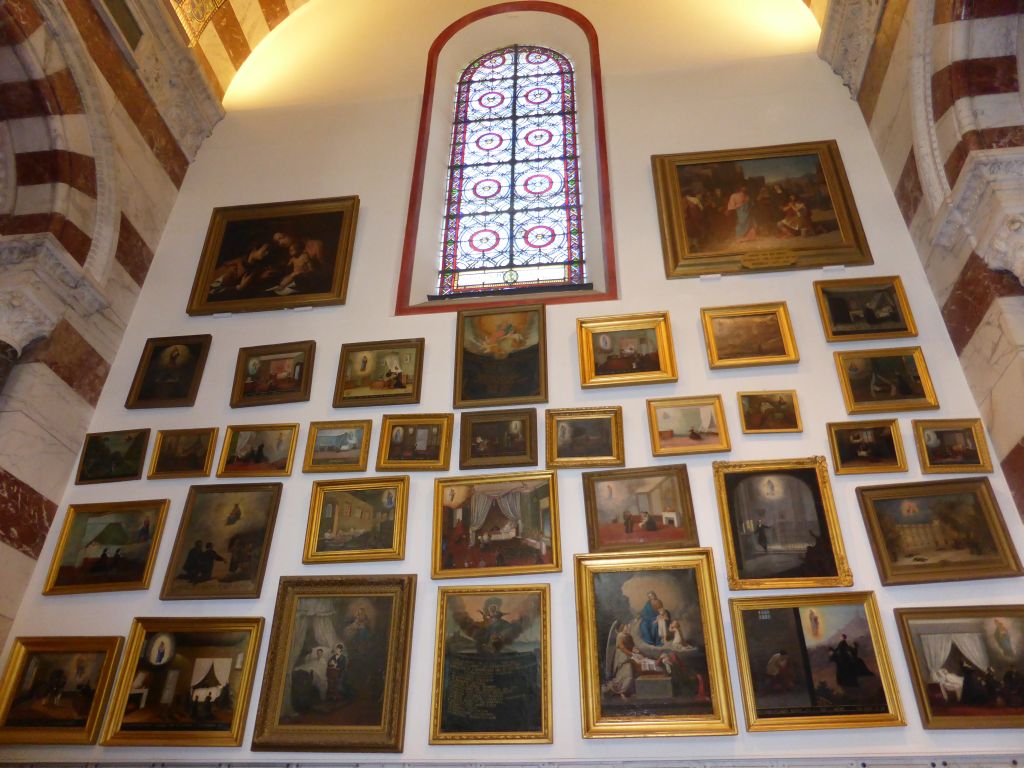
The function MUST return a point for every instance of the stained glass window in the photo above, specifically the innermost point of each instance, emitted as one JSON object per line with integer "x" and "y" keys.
{"x": 512, "y": 215}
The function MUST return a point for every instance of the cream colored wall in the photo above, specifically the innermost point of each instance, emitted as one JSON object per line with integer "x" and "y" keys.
{"x": 340, "y": 118}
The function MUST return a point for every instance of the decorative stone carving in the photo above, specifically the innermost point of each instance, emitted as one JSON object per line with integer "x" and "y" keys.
{"x": 847, "y": 36}
{"x": 927, "y": 152}
{"x": 25, "y": 314}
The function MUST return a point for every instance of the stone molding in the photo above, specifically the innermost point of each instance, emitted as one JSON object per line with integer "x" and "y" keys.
{"x": 8, "y": 171}
{"x": 847, "y": 37}
{"x": 927, "y": 153}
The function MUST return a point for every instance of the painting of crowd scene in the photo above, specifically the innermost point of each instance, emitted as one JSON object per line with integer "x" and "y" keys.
{"x": 112, "y": 456}
{"x": 639, "y": 509}
{"x": 258, "y": 450}
{"x": 279, "y": 373}
{"x": 55, "y": 690}
{"x": 379, "y": 373}
{"x": 499, "y": 438}
{"x": 769, "y": 412}
{"x": 629, "y": 351}
{"x": 183, "y": 452}
{"x": 500, "y": 357}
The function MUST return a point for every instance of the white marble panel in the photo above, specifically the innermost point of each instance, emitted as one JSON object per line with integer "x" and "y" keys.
{"x": 996, "y": 110}
{"x": 33, "y": 455}
{"x": 11, "y": 70}
{"x": 942, "y": 36}
{"x": 942, "y": 266}
{"x": 39, "y": 198}
{"x": 217, "y": 55}
{"x": 947, "y": 131}
{"x": 121, "y": 291}
{"x": 1006, "y": 416}
{"x": 103, "y": 330}
{"x": 890, "y": 125}
{"x": 30, "y": 134}
{"x": 74, "y": 133}
{"x": 81, "y": 209}
{"x": 15, "y": 571}
{"x": 44, "y": 50}
{"x": 989, "y": 352}
{"x": 147, "y": 215}
{"x": 251, "y": 19}
{"x": 294, "y": 5}
{"x": 993, "y": 36}
{"x": 36, "y": 391}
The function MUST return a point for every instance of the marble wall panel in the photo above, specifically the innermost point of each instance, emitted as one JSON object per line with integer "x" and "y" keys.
{"x": 1005, "y": 417}
{"x": 275, "y": 11}
{"x": 217, "y": 56}
{"x": 228, "y": 28}
{"x": 15, "y": 570}
{"x": 73, "y": 359}
{"x": 121, "y": 291}
{"x": 57, "y": 165}
{"x": 252, "y": 20}
{"x": 103, "y": 330}
{"x": 132, "y": 251}
{"x": 26, "y": 513}
{"x": 36, "y": 391}
{"x": 976, "y": 288}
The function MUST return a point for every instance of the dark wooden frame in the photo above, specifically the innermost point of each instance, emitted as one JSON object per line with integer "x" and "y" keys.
{"x": 146, "y": 359}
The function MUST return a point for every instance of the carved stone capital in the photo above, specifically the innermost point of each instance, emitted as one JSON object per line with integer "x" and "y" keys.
{"x": 25, "y": 313}
{"x": 847, "y": 36}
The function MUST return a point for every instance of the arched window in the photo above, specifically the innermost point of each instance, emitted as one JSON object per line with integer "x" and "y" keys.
{"x": 512, "y": 215}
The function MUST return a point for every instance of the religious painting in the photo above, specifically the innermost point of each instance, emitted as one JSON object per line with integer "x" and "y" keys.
{"x": 619, "y": 350}
{"x": 356, "y": 520}
{"x": 763, "y": 413}
{"x": 183, "y": 453}
{"x": 651, "y": 646}
{"x": 491, "y": 439}
{"x": 752, "y": 334}
{"x": 937, "y": 530}
{"x": 966, "y": 663}
{"x": 273, "y": 373}
{"x": 169, "y": 372}
{"x": 682, "y": 425}
{"x": 495, "y": 525}
{"x": 866, "y": 447}
{"x": 337, "y": 446}
{"x": 500, "y": 357}
{"x": 779, "y": 524}
{"x": 630, "y": 510}
{"x": 54, "y": 689}
{"x": 379, "y": 373}
{"x": 107, "y": 547}
{"x": 787, "y": 206}
{"x": 258, "y": 450}
{"x": 223, "y": 542}
{"x": 894, "y": 379}
{"x": 814, "y": 661}
{"x": 585, "y": 437}
{"x": 864, "y": 308}
{"x": 951, "y": 445}
{"x": 275, "y": 256}
{"x": 415, "y": 442}
{"x": 338, "y": 665}
{"x": 110, "y": 457}
{"x": 498, "y": 640}
{"x": 185, "y": 682}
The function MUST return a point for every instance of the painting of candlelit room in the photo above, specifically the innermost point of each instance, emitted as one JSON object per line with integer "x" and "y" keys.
{"x": 629, "y": 351}
{"x": 258, "y": 449}
{"x": 357, "y": 519}
{"x": 379, "y": 373}
{"x": 277, "y": 373}
{"x": 55, "y": 690}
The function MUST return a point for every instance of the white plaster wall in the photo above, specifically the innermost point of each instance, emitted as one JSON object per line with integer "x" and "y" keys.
{"x": 362, "y": 143}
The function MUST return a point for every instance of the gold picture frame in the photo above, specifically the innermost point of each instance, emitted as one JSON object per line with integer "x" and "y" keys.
{"x": 864, "y": 308}
{"x": 802, "y": 228}
{"x": 496, "y": 439}
{"x": 937, "y": 530}
{"x": 769, "y": 411}
{"x": 523, "y": 538}
{"x": 181, "y": 453}
{"x": 329, "y": 446}
{"x": 866, "y": 447}
{"x": 415, "y": 442}
{"x": 88, "y": 662}
{"x": 749, "y": 334}
{"x": 686, "y": 425}
{"x": 509, "y": 657}
{"x": 379, "y": 373}
{"x": 153, "y": 644}
{"x": 687, "y": 674}
{"x": 132, "y": 529}
{"x": 258, "y": 450}
{"x": 500, "y": 356}
{"x": 584, "y": 437}
{"x": 621, "y": 350}
{"x": 878, "y": 380}
{"x": 375, "y": 528}
{"x": 112, "y": 457}
{"x": 270, "y": 374}
{"x": 371, "y": 618}
{"x": 170, "y": 370}
{"x": 951, "y": 445}
{"x": 780, "y": 529}
{"x": 771, "y": 632}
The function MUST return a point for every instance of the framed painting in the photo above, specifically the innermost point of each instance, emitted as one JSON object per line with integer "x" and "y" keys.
{"x": 619, "y": 350}
{"x": 337, "y": 670}
{"x": 683, "y": 425}
{"x": 635, "y": 510}
{"x": 752, "y": 334}
{"x": 779, "y": 524}
{"x": 866, "y": 447}
{"x": 110, "y": 457}
{"x": 415, "y": 442}
{"x": 185, "y": 682}
{"x": 223, "y": 542}
{"x": 495, "y": 525}
{"x": 183, "y": 453}
{"x": 864, "y": 308}
{"x": 494, "y": 639}
{"x": 357, "y": 520}
{"x": 492, "y": 439}
{"x": 585, "y": 437}
{"x": 937, "y": 530}
{"x": 273, "y": 373}
{"x": 54, "y": 689}
{"x": 501, "y": 357}
{"x": 763, "y": 413}
{"x": 275, "y": 256}
{"x": 379, "y": 373}
{"x": 258, "y": 450}
{"x": 169, "y": 372}
{"x": 894, "y": 379}
{"x": 337, "y": 446}
{"x": 966, "y": 662}
{"x": 787, "y": 206}
{"x": 951, "y": 445}
{"x": 107, "y": 547}
{"x": 814, "y": 661}
{"x": 651, "y": 646}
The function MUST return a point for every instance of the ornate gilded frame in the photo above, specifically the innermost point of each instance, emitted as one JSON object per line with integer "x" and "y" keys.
{"x": 748, "y": 430}
{"x": 444, "y": 422}
{"x": 821, "y": 288}
{"x": 555, "y": 417}
{"x": 400, "y": 486}
{"x": 354, "y": 401}
{"x": 146, "y": 359}
{"x": 459, "y": 397}
{"x": 90, "y": 438}
{"x": 229, "y": 433}
{"x": 528, "y": 458}
{"x": 776, "y": 309}
{"x": 211, "y": 444}
{"x": 657, "y": 441}
{"x": 899, "y": 463}
{"x": 589, "y": 327}
{"x": 359, "y": 465}
{"x": 926, "y": 402}
{"x": 984, "y": 463}
{"x": 238, "y": 397}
